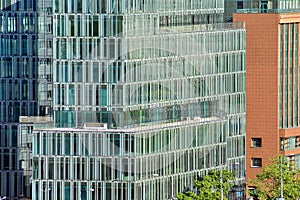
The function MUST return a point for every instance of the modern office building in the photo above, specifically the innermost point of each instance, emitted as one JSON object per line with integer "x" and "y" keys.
{"x": 272, "y": 87}
{"x": 147, "y": 96}
{"x": 25, "y": 83}
{"x": 26, "y": 126}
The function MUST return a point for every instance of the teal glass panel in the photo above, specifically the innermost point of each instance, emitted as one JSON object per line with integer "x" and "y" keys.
{"x": 103, "y": 96}
{"x": 36, "y": 144}
{"x": 67, "y": 193}
{"x": 71, "y": 121}
{"x": 71, "y": 95}
{"x": 44, "y": 144}
{"x": 83, "y": 193}
{"x": 67, "y": 141}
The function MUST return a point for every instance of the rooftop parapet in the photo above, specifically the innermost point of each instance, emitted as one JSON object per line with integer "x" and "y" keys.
{"x": 266, "y": 11}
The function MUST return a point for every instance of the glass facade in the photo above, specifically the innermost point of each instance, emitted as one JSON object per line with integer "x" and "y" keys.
{"x": 132, "y": 163}
{"x": 289, "y": 143}
{"x": 99, "y": 54}
{"x": 26, "y": 126}
{"x": 289, "y": 76}
{"x": 165, "y": 81}
{"x": 25, "y": 76}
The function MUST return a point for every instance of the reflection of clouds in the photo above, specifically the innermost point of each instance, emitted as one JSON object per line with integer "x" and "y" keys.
{"x": 159, "y": 74}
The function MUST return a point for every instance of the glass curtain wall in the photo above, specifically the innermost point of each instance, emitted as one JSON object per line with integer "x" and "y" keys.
{"x": 21, "y": 60}
{"x": 166, "y": 105}
{"x": 135, "y": 164}
{"x": 18, "y": 79}
{"x": 166, "y": 79}
{"x": 96, "y": 49}
{"x": 289, "y": 76}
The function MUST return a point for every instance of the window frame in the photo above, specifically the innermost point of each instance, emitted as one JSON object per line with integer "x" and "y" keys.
{"x": 256, "y": 160}
{"x": 254, "y": 141}
{"x": 239, "y": 5}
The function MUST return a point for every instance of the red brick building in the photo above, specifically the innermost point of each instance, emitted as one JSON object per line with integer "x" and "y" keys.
{"x": 272, "y": 89}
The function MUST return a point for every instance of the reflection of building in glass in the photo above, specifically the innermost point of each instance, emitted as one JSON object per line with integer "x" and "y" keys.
{"x": 25, "y": 89}
{"x": 147, "y": 96}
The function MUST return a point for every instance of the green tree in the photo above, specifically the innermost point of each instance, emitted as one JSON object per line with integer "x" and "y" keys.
{"x": 210, "y": 186}
{"x": 267, "y": 183}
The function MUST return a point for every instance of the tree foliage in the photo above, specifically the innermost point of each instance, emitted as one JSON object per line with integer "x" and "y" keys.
{"x": 210, "y": 186}
{"x": 267, "y": 183}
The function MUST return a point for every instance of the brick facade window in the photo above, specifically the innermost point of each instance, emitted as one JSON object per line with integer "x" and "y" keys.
{"x": 256, "y": 162}
{"x": 256, "y": 142}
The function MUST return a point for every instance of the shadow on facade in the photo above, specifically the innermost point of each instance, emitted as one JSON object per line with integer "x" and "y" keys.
{"x": 19, "y": 79}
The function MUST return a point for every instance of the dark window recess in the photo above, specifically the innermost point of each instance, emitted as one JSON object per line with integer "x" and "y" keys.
{"x": 256, "y": 142}
{"x": 264, "y": 6}
{"x": 256, "y": 162}
{"x": 240, "y": 5}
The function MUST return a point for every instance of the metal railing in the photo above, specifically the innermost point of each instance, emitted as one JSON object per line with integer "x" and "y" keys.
{"x": 266, "y": 11}
{"x": 203, "y": 27}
